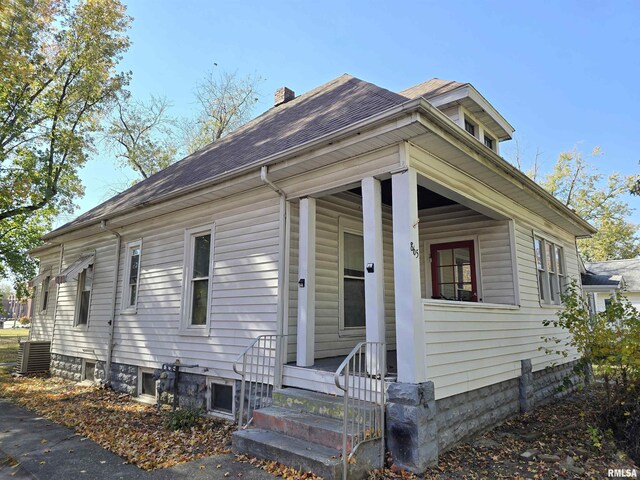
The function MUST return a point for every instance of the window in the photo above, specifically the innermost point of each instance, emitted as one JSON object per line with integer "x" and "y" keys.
{"x": 352, "y": 281}
{"x": 89, "y": 371}
{"x": 146, "y": 385}
{"x": 132, "y": 276}
{"x": 45, "y": 293}
{"x": 453, "y": 271}
{"x": 221, "y": 398}
{"x": 197, "y": 277}
{"x": 551, "y": 270}
{"x": 488, "y": 141}
{"x": 470, "y": 127}
{"x": 85, "y": 282}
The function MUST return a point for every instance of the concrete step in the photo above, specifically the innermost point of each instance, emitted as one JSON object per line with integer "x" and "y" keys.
{"x": 314, "y": 428}
{"x": 317, "y": 403}
{"x": 294, "y": 452}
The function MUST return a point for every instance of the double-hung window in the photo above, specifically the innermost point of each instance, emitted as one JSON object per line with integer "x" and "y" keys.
{"x": 132, "y": 276}
{"x": 85, "y": 284}
{"x": 197, "y": 277}
{"x": 551, "y": 270}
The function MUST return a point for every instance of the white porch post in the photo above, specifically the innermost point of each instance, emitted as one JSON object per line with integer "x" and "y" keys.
{"x": 374, "y": 269}
{"x": 306, "y": 283}
{"x": 410, "y": 331}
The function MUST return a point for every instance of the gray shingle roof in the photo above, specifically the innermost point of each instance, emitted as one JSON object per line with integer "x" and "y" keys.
{"x": 629, "y": 269}
{"x": 328, "y": 108}
{"x": 591, "y": 279}
{"x": 431, "y": 88}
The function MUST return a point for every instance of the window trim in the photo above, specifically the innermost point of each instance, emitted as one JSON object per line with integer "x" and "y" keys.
{"x": 79, "y": 289}
{"x": 346, "y": 225}
{"x": 186, "y": 328}
{"x": 126, "y": 308}
{"x": 544, "y": 297}
{"x": 467, "y": 120}
{"x": 145, "y": 397}
{"x": 225, "y": 383}
{"x": 475, "y": 252}
{"x": 44, "y": 301}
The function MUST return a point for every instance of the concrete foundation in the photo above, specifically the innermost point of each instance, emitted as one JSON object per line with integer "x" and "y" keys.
{"x": 419, "y": 427}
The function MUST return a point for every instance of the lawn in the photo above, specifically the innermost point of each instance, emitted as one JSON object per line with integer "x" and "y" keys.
{"x": 9, "y": 338}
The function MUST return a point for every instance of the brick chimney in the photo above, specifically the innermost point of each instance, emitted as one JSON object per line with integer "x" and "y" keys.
{"x": 283, "y": 95}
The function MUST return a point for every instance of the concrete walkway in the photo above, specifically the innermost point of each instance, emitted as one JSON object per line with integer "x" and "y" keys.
{"x": 32, "y": 447}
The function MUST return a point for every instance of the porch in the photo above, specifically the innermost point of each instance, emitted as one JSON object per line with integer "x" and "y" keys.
{"x": 366, "y": 261}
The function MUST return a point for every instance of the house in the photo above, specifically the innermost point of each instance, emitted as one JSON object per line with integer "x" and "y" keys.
{"x": 601, "y": 281}
{"x": 348, "y": 214}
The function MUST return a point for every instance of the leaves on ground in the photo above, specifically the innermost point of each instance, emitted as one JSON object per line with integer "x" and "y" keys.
{"x": 132, "y": 430}
{"x": 561, "y": 428}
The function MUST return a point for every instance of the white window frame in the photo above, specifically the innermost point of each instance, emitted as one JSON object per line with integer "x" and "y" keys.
{"x": 84, "y": 370}
{"x": 186, "y": 328}
{"x": 145, "y": 397}
{"x": 225, "y": 383}
{"x": 44, "y": 305}
{"x": 79, "y": 290}
{"x": 126, "y": 290}
{"x": 353, "y": 227}
{"x": 555, "y": 275}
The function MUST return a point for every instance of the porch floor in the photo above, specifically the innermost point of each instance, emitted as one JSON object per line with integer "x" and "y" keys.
{"x": 331, "y": 364}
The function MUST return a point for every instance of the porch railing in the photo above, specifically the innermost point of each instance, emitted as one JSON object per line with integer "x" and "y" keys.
{"x": 361, "y": 377}
{"x": 260, "y": 368}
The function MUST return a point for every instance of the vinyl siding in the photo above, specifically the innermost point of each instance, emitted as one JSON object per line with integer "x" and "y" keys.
{"x": 468, "y": 348}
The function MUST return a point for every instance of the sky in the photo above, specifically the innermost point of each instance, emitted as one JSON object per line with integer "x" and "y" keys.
{"x": 563, "y": 73}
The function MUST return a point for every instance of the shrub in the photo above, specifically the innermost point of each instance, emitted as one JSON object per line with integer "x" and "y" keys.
{"x": 182, "y": 418}
{"x": 608, "y": 341}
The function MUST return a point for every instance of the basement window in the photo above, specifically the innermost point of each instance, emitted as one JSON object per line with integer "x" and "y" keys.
{"x": 146, "y": 385}
{"x": 221, "y": 398}
{"x": 89, "y": 371}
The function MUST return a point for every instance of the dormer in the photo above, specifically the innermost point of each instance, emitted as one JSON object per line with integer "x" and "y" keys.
{"x": 464, "y": 105}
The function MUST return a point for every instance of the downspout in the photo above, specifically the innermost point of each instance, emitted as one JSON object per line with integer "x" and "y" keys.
{"x": 112, "y": 321}
{"x": 282, "y": 271}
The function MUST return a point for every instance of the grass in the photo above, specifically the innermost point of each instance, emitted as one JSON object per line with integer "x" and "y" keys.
{"x": 9, "y": 339}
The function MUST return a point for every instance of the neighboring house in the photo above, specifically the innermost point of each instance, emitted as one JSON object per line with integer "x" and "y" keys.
{"x": 14, "y": 309}
{"x": 346, "y": 214}
{"x": 602, "y": 280}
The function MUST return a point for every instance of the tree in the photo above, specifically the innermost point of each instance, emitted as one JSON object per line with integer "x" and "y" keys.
{"x": 141, "y": 135}
{"x": 597, "y": 199}
{"x": 226, "y": 102}
{"x": 58, "y": 67}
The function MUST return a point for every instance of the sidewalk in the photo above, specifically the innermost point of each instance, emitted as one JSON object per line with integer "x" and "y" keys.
{"x": 45, "y": 450}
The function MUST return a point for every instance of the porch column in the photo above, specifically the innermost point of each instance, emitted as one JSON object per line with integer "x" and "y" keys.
{"x": 374, "y": 269}
{"x": 306, "y": 283}
{"x": 410, "y": 331}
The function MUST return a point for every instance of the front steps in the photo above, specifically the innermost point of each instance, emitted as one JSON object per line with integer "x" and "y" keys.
{"x": 303, "y": 429}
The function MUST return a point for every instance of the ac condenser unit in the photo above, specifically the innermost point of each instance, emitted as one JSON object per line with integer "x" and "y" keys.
{"x": 33, "y": 356}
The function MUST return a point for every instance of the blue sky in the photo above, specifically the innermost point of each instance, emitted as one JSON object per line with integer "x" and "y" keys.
{"x": 563, "y": 73}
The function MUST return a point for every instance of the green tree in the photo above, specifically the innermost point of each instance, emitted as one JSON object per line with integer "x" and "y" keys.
{"x": 226, "y": 102}
{"x": 58, "y": 67}
{"x": 142, "y": 135}
{"x": 597, "y": 199}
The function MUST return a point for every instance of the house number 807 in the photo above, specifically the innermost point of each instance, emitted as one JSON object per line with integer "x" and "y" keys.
{"x": 414, "y": 250}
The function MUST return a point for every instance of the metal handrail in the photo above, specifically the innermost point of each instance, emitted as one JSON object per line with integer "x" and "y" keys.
{"x": 262, "y": 371}
{"x": 364, "y": 397}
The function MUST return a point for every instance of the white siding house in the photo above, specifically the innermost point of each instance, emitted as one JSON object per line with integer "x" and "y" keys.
{"x": 347, "y": 214}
